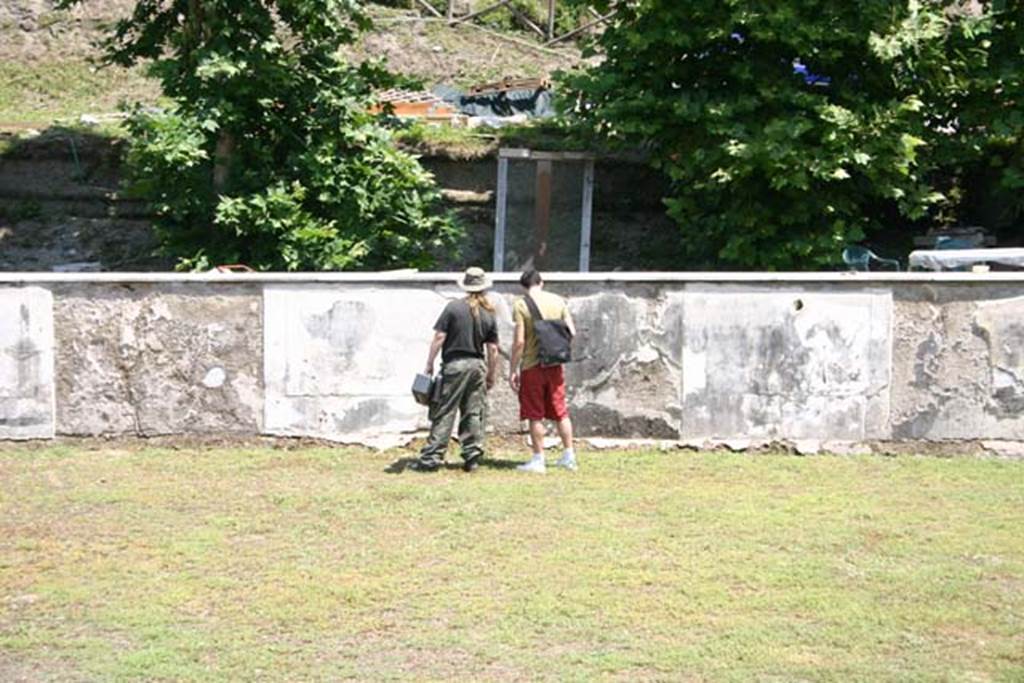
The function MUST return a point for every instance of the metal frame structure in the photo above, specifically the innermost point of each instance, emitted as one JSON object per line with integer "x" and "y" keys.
{"x": 542, "y": 207}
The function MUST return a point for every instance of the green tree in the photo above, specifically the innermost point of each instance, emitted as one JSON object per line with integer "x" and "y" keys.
{"x": 980, "y": 104}
{"x": 791, "y": 128}
{"x": 269, "y": 154}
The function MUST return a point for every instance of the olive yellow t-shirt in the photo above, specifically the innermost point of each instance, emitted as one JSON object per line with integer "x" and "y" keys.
{"x": 552, "y": 307}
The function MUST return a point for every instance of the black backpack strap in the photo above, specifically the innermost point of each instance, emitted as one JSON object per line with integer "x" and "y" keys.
{"x": 534, "y": 310}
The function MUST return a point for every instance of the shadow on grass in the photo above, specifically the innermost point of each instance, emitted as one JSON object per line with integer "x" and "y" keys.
{"x": 402, "y": 465}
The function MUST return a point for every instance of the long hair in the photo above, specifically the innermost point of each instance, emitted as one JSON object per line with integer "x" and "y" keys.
{"x": 478, "y": 300}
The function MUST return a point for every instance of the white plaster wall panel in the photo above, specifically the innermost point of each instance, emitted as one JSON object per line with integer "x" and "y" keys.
{"x": 340, "y": 361}
{"x": 26, "y": 363}
{"x": 785, "y": 364}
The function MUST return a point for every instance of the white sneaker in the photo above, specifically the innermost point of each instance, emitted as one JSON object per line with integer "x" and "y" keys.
{"x": 568, "y": 462}
{"x": 535, "y": 465}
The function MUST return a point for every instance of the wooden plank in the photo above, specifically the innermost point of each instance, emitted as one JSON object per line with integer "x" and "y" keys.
{"x": 506, "y": 84}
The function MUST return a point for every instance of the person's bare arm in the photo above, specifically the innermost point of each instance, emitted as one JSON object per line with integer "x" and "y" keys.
{"x": 567, "y": 317}
{"x": 435, "y": 347}
{"x": 492, "y": 364}
{"x": 517, "y": 355}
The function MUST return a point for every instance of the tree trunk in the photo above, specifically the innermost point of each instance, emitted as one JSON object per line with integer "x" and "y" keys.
{"x": 222, "y": 161}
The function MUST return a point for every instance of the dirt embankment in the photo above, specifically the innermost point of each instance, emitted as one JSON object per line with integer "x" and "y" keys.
{"x": 61, "y": 202}
{"x": 36, "y": 29}
{"x": 48, "y": 64}
{"x": 49, "y": 58}
{"x": 461, "y": 55}
{"x": 61, "y": 206}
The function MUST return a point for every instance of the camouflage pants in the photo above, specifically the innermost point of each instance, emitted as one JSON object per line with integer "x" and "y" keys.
{"x": 463, "y": 390}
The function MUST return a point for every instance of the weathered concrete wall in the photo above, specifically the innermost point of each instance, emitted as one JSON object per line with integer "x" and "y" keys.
{"x": 66, "y": 206}
{"x": 695, "y": 357}
{"x": 152, "y": 359}
{"x": 627, "y": 381}
{"x": 959, "y": 362}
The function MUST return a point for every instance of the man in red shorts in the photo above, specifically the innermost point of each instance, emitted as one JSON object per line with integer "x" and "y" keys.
{"x": 541, "y": 388}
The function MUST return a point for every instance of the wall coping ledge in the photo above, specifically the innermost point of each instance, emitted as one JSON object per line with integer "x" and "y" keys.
{"x": 389, "y": 277}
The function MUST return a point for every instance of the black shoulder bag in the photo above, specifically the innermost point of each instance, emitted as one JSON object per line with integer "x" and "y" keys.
{"x": 554, "y": 340}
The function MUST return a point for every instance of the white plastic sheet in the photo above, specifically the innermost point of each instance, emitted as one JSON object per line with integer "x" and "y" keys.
{"x": 952, "y": 259}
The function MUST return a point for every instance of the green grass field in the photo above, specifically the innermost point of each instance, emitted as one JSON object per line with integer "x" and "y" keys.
{"x": 250, "y": 563}
{"x": 47, "y": 92}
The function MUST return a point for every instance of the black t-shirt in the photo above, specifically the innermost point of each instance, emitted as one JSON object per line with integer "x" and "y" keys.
{"x": 456, "y": 322}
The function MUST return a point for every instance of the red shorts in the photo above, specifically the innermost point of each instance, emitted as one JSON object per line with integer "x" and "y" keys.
{"x": 542, "y": 393}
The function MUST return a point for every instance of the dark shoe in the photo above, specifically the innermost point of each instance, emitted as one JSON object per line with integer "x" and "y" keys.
{"x": 420, "y": 466}
{"x": 471, "y": 465}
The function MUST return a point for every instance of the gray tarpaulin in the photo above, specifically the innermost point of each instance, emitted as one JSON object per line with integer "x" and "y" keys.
{"x": 534, "y": 102}
{"x": 953, "y": 259}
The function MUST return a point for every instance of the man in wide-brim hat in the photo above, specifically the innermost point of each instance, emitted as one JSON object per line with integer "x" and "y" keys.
{"x": 466, "y": 336}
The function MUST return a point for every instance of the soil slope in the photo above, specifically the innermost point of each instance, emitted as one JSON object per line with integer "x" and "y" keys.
{"x": 48, "y": 69}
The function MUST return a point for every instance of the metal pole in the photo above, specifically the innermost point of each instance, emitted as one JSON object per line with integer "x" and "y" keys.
{"x": 588, "y": 210}
{"x": 500, "y": 211}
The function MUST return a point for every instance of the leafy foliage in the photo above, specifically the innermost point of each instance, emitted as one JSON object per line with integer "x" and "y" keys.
{"x": 983, "y": 100}
{"x": 269, "y": 155}
{"x": 791, "y": 128}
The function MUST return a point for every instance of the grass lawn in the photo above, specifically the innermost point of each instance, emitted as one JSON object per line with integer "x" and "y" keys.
{"x": 44, "y": 92}
{"x": 250, "y": 563}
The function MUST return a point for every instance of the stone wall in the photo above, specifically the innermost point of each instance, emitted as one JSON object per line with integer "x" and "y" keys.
{"x": 696, "y": 357}
{"x": 150, "y": 359}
